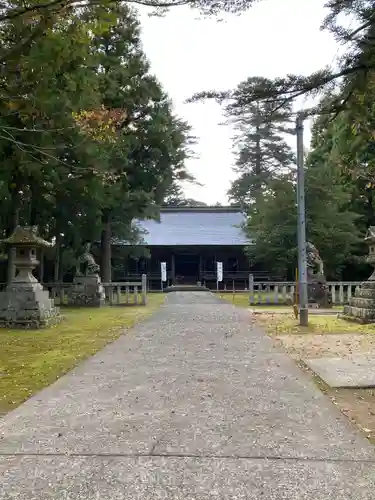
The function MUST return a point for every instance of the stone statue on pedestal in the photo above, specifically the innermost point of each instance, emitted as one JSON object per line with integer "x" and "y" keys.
{"x": 318, "y": 293}
{"x": 86, "y": 265}
{"x": 87, "y": 288}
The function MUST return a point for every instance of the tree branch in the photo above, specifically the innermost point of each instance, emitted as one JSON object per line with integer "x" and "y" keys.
{"x": 210, "y": 5}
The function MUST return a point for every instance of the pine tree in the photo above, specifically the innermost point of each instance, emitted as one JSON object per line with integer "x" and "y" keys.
{"x": 175, "y": 197}
{"x": 261, "y": 151}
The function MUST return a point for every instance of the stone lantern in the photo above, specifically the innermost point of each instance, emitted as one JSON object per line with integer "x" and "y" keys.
{"x": 370, "y": 240}
{"x": 24, "y": 303}
{"x": 361, "y": 307}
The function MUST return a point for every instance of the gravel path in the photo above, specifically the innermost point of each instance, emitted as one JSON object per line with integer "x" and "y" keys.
{"x": 194, "y": 403}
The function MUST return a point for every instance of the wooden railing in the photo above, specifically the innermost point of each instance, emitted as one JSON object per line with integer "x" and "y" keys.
{"x": 117, "y": 293}
{"x": 281, "y": 292}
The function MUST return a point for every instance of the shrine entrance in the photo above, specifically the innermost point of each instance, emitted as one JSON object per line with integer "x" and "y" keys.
{"x": 187, "y": 268}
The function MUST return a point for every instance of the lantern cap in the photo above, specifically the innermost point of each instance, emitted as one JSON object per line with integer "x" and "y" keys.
{"x": 26, "y": 236}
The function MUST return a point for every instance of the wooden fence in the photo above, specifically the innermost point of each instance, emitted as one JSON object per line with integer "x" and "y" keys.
{"x": 117, "y": 293}
{"x": 282, "y": 292}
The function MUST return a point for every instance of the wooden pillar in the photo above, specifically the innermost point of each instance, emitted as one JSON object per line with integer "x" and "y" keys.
{"x": 173, "y": 270}
{"x": 200, "y": 267}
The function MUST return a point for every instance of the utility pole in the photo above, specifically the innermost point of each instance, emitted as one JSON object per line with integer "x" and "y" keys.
{"x": 301, "y": 225}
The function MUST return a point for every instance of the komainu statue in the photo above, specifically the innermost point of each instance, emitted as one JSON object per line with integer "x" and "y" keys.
{"x": 315, "y": 264}
{"x": 86, "y": 265}
{"x": 318, "y": 293}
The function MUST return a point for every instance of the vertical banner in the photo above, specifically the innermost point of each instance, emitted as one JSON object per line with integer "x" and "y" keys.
{"x": 163, "y": 268}
{"x": 219, "y": 271}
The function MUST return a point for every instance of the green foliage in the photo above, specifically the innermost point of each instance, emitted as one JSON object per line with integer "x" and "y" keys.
{"x": 344, "y": 147}
{"x": 175, "y": 197}
{"x": 331, "y": 220}
{"x": 88, "y": 138}
{"x": 331, "y": 224}
{"x": 38, "y": 16}
{"x": 340, "y": 170}
{"x": 272, "y": 226}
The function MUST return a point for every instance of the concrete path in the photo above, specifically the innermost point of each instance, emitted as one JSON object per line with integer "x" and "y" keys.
{"x": 192, "y": 404}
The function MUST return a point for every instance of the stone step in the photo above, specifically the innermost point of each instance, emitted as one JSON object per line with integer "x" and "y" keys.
{"x": 186, "y": 288}
{"x": 358, "y": 312}
{"x": 362, "y": 302}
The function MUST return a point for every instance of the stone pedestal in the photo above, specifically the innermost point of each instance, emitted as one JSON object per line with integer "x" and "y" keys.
{"x": 318, "y": 293}
{"x": 24, "y": 303}
{"x": 361, "y": 307}
{"x": 87, "y": 291}
{"x": 27, "y": 305}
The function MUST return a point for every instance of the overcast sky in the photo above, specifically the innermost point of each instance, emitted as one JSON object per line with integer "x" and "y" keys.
{"x": 189, "y": 54}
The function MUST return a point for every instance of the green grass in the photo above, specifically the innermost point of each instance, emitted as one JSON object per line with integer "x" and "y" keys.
{"x": 33, "y": 359}
{"x": 279, "y": 320}
{"x": 282, "y": 324}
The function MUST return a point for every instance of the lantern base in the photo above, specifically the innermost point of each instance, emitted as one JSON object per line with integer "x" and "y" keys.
{"x": 27, "y": 305}
{"x": 361, "y": 308}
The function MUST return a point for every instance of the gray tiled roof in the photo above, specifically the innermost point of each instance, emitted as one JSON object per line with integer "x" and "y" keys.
{"x": 195, "y": 227}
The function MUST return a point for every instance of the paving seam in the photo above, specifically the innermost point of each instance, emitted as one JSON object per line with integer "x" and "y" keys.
{"x": 181, "y": 455}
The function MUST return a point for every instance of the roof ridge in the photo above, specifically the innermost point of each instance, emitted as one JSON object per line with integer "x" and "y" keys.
{"x": 207, "y": 208}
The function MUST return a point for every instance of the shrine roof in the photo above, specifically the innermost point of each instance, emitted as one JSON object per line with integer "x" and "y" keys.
{"x": 195, "y": 226}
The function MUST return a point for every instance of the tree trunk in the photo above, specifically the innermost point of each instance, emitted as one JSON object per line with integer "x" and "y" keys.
{"x": 105, "y": 249}
{"x": 33, "y": 205}
{"x": 57, "y": 261}
{"x": 33, "y": 215}
{"x": 370, "y": 209}
{"x": 258, "y": 160}
{"x": 11, "y": 269}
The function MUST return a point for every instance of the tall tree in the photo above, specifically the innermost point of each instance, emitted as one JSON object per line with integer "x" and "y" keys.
{"x": 40, "y": 91}
{"x": 260, "y": 148}
{"x": 86, "y": 131}
{"x": 151, "y": 145}
{"x": 346, "y": 145}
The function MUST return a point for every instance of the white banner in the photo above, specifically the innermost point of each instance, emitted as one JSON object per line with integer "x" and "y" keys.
{"x": 219, "y": 271}
{"x": 163, "y": 267}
